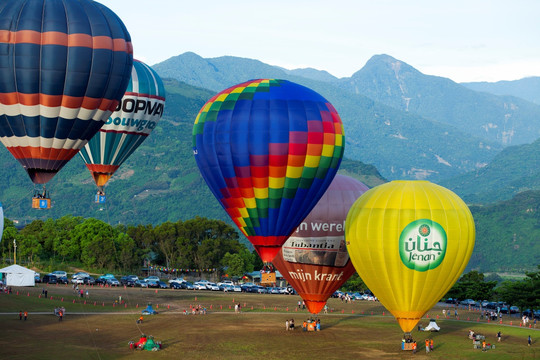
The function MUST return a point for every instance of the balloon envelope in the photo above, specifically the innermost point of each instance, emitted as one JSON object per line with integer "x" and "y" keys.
{"x": 409, "y": 241}
{"x": 1, "y": 221}
{"x": 64, "y": 65}
{"x": 268, "y": 149}
{"x": 314, "y": 259}
{"x": 128, "y": 126}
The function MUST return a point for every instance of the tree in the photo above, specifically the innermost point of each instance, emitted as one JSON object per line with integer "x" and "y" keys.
{"x": 472, "y": 285}
{"x": 127, "y": 252}
{"x": 355, "y": 283}
{"x": 524, "y": 293}
{"x": 165, "y": 236}
{"x": 234, "y": 263}
{"x": 94, "y": 241}
{"x": 10, "y": 233}
{"x": 28, "y": 246}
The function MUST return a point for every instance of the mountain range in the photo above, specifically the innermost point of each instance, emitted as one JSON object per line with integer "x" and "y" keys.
{"x": 527, "y": 88}
{"x": 399, "y": 124}
{"x": 402, "y": 145}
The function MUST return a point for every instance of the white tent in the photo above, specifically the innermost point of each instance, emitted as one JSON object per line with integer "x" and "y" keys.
{"x": 16, "y": 275}
{"x": 432, "y": 326}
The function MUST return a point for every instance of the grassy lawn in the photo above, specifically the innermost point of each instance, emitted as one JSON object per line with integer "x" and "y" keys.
{"x": 102, "y": 331}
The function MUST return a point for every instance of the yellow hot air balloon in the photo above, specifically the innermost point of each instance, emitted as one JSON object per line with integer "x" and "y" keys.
{"x": 409, "y": 241}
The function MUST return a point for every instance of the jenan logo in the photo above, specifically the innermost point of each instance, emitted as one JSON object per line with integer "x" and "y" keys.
{"x": 422, "y": 245}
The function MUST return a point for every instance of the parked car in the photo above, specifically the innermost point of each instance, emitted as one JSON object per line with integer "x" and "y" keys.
{"x": 514, "y": 310}
{"x": 225, "y": 287}
{"x": 37, "y": 278}
{"x": 128, "y": 280}
{"x": 153, "y": 278}
{"x": 245, "y": 287}
{"x": 237, "y": 288}
{"x": 101, "y": 280}
{"x": 89, "y": 280}
{"x": 467, "y": 302}
{"x": 141, "y": 283}
{"x": 212, "y": 286}
{"x": 62, "y": 279}
{"x": 187, "y": 285}
{"x": 175, "y": 285}
{"x": 80, "y": 274}
{"x": 504, "y": 309}
{"x": 451, "y": 301}
{"x": 199, "y": 286}
{"x": 113, "y": 282}
{"x": 273, "y": 290}
{"x": 50, "y": 279}
{"x": 152, "y": 283}
{"x": 263, "y": 290}
{"x": 77, "y": 280}
{"x": 59, "y": 273}
{"x": 162, "y": 285}
{"x": 176, "y": 280}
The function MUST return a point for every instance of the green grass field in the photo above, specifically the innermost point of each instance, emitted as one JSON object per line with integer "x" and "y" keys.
{"x": 102, "y": 331}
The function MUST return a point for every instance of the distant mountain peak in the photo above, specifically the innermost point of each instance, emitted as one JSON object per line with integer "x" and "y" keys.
{"x": 386, "y": 63}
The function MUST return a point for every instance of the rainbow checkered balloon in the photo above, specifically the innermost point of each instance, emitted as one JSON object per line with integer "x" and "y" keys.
{"x": 268, "y": 149}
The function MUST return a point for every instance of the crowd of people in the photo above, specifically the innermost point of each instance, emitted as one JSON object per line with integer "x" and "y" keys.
{"x": 311, "y": 324}
{"x": 195, "y": 310}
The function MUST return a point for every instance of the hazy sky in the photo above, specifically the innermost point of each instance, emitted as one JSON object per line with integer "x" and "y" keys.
{"x": 464, "y": 40}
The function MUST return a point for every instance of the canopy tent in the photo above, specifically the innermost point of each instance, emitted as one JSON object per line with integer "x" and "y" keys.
{"x": 17, "y": 275}
{"x": 432, "y": 326}
{"x": 149, "y": 310}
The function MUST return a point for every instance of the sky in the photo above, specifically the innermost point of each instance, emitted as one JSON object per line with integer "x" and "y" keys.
{"x": 464, "y": 40}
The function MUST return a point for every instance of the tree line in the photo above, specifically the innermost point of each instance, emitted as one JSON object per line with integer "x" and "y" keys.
{"x": 198, "y": 243}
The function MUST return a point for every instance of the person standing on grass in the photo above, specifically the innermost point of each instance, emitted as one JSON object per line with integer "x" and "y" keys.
{"x": 529, "y": 341}
{"x": 25, "y": 315}
{"x": 20, "y": 315}
{"x": 427, "y": 346}
{"x": 431, "y": 345}
{"x": 60, "y": 315}
{"x": 499, "y": 336}
{"x": 287, "y": 324}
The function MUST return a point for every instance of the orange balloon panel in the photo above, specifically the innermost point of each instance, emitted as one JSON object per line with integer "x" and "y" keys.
{"x": 314, "y": 260}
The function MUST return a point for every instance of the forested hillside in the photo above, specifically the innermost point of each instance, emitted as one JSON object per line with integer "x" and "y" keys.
{"x": 508, "y": 234}
{"x": 159, "y": 182}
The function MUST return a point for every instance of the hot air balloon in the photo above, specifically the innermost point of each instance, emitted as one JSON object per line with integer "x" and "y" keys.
{"x": 1, "y": 221}
{"x": 268, "y": 149}
{"x": 314, "y": 260}
{"x": 64, "y": 66}
{"x": 128, "y": 126}
{"x": 409, "y": 241}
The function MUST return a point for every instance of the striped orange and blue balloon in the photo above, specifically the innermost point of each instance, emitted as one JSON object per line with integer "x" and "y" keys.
{"x": 268, "y": 149}
{"x": 64, "y": 66}
{"x": 128, "y": 126}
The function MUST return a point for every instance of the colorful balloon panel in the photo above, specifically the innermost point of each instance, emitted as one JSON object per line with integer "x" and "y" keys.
{"x": 314, "y": 260}
{"x": 268, "y": 149}
{"x": 128, "y": 126}
{"x": 64, "y": 66}
{"x": 409, "y": 241}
